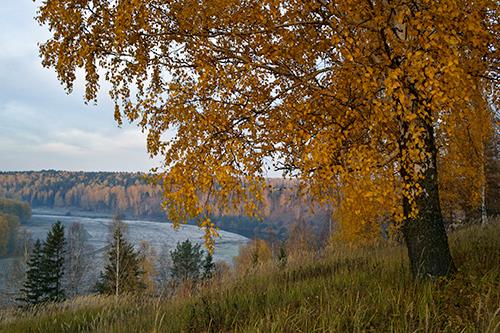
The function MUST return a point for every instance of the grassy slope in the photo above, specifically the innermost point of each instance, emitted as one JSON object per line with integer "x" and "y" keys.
{"x": 361, "y": 290}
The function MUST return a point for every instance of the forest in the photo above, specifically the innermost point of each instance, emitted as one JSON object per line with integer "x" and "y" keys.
{"x": 132, "y": 196}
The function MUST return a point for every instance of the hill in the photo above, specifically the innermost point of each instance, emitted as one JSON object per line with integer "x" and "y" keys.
{"x": 129, "y": 194}
{"x": 347, "y": 290}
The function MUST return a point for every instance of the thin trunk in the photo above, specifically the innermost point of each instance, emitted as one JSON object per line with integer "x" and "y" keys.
{"x": 117, "y": 273}
{"x": 484, "y": 217}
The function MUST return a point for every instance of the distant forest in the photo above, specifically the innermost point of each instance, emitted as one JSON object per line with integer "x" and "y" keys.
{"x": 127, "y": 193}
{"x": 130, "y": 195}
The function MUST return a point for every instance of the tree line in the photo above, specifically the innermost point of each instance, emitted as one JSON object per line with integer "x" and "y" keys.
{"x": 131, "y": 195}
{"x": 61, "y": 267}
{"x": 462, "y": 196}
{"x": 128, "y": 193}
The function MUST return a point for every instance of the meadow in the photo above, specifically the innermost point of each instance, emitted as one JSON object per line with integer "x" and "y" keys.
{"x": 364, "y": 289}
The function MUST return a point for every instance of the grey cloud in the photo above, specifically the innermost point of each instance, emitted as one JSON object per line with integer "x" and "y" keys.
{"x": 41, "y": 127}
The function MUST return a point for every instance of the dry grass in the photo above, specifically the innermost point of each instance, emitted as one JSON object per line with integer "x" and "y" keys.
{"x": 349, "y": 290}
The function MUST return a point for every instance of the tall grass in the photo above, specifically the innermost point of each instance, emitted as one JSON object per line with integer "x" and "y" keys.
{"x": 361, "y": 290}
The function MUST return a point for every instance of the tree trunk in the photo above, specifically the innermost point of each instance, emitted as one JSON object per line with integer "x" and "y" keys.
{"x": 425, "y": 235}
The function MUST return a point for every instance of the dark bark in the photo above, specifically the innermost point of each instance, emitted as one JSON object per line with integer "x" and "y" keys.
{"x": 425, "y": 234}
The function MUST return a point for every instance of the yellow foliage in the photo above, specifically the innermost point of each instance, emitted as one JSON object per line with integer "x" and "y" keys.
{"x": 147, "y": 259}
{"x": 252, "y": 256}
{"x": 463, "y": 161}
{"x": 340, "y": 93}
{"x": 4, "y": 235}
{"x": 9, "y": 225}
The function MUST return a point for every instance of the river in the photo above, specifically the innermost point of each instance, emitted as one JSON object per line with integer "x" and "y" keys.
{"x": 160, "y": 235}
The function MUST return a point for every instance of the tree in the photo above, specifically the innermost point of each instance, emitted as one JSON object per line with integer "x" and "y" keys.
{"x": 33, "y": 290}
{"x": 252, "y": 255}
{"x": 301, "y": 241}
{"x": 78, "y": 260}
{"x": 121, "y": 273}
{"x": 18, "y": 208}
{"x": 339, "y": 93}
{"x": 493, "y": 171}
{"x": 9, "y": 232}
{"x": 187, "y": 261}
{"x": 52, "y": 264}
{"x": 208, "y": 267}
{"x": 164, "y": 264}
{"x": 14, "y": 272}
{"x": 282, "y": 255}
{"x": 147, "y": 259}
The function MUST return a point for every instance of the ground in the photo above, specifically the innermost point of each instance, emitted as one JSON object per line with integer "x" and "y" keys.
{"x": 366, "y": 289}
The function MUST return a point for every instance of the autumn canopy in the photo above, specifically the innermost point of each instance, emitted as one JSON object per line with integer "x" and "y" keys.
{"x": 352, "y": 97}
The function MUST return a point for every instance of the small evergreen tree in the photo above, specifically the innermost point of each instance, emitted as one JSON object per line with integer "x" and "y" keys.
{"x": 208, "y": 266}
{"x": 122, "y": 273}
{"x": 187, "y": 261}
{"x": 32, "y": 290}
{"x": 282, "y": 256}
{"x": 52, "y": 264}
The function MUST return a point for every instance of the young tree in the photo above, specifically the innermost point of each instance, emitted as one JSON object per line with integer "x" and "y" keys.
{"x": 492, "y": 190}
{"x": 33, "y": 290}
{"x": 14, "y": 273}
{"x": 301, "y": 240}
{"x": 282, "y": 255}
{"x": 208, "y": 267}
{"x": 78, "y": 261}
{"x": 147, "y": 259}
{"x": 164, "y": 265}
{"x": 342, "y": 93}
{"x": 252, "y": 255}
{"x": 52, "y": 264}
{"x": 121, "y": 273}
{"x": 187, "y": 261}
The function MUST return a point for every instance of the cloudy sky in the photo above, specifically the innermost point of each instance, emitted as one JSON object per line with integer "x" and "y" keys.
{"x": 41, "y": 127}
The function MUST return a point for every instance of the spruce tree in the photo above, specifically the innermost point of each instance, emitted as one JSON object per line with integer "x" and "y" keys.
{"x": 187, "y": 261}
{"x": 33, "y": 286}
{"x": 122, "y": 273}
{"x": 282, "y": 256}
{"x": 208, "y": 266}
{"x": 52, "y": 264}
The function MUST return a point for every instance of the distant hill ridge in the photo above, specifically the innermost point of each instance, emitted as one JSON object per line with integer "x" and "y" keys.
{"x": 129, "y": 194}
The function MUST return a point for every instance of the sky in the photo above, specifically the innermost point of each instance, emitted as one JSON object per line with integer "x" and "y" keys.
{"x": 42, "y": 127}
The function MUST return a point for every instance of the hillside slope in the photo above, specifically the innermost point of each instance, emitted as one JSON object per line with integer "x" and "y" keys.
{"x": 346, "y": 291}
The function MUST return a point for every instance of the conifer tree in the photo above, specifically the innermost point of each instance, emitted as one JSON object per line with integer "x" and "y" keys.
{"x": 122, "y": 273}
{"x": 52, "y": 264}
{"x": 187, "y": 261}
{"x": 282, "y": 255}
{"x": 208, "y": 266}
{"x": 33, "y": 286}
